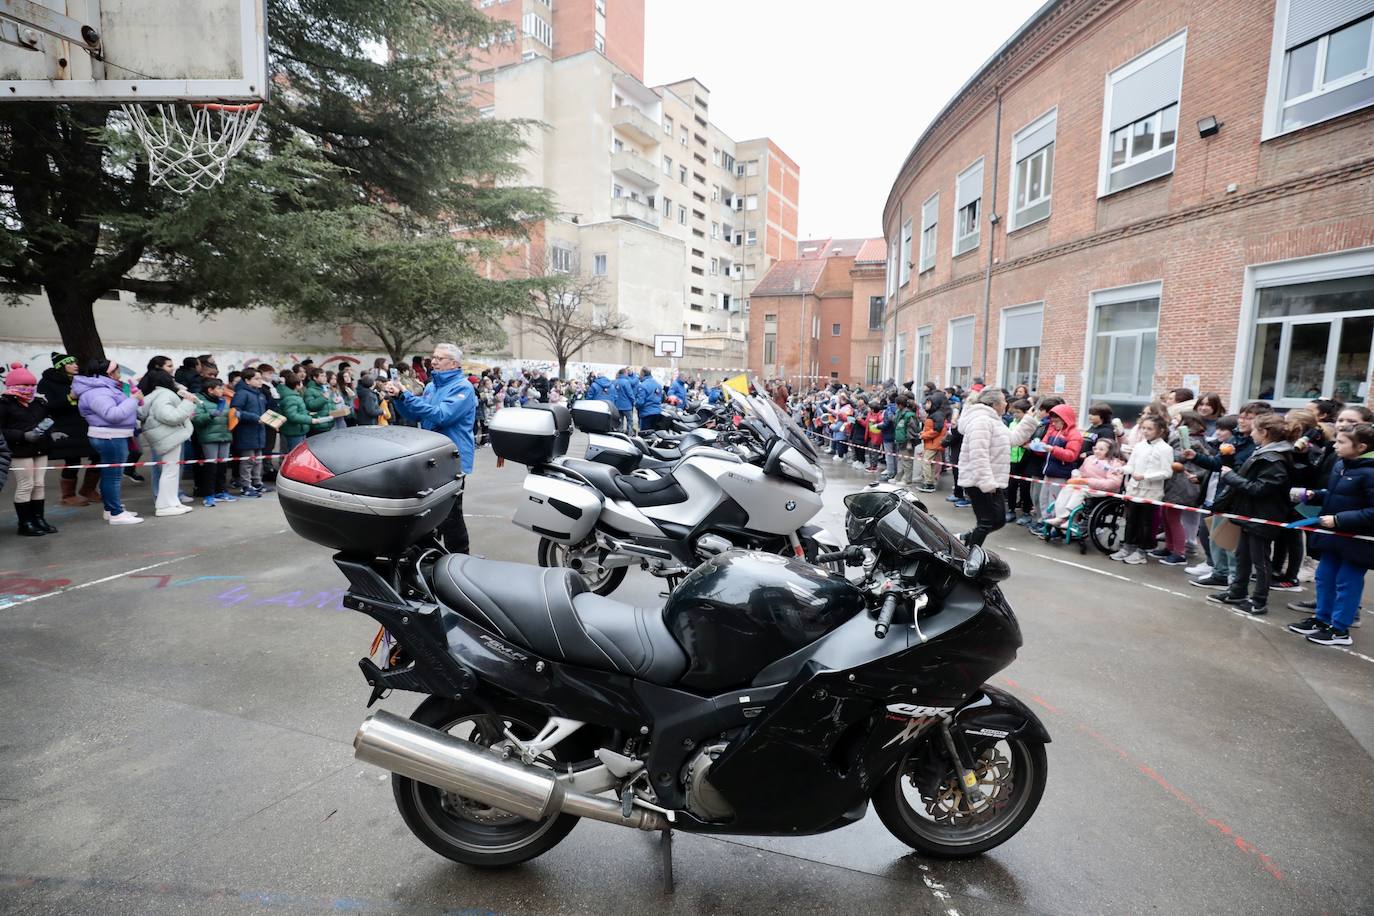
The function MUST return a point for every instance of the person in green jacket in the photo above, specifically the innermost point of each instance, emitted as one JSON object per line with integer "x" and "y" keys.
{"x": 907, "y": 423}
{"x": 318, "y": 401}
{"x": 211, "y": 422}
{"x": 293, "y": 403}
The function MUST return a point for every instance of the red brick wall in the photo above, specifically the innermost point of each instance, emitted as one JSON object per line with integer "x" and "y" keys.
{"x": 1189, "y": 230}
{"x": 625, "y": 35}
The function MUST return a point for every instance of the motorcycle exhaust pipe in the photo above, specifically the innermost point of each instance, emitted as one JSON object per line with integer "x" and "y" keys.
{"x": 434, "y": 758}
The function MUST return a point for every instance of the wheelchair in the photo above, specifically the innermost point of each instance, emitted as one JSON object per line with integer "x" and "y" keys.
{"x": 1098, "y": 520}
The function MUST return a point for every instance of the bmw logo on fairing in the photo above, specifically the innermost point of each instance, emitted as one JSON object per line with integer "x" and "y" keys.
{"x": 790, "y": 505}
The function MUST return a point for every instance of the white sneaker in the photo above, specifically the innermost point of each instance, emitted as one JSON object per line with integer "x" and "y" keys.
{"x": 1134, "y": 559}
{"x": 126, "y": 512}
{"x": 185, "y": 500}
{"x": 1201, "y": 569}
{"x": 1121, "y": 554}
{"x": 125, "y": 518}
{"x": 1308, "y": 570}
{"x": 173, "y": 510}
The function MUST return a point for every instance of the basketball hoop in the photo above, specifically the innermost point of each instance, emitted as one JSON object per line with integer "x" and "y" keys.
{"x": 189, "y": 145}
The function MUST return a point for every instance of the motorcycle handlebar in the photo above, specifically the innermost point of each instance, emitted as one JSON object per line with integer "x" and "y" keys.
{"x": 885, "y": 616}
{"x": 851, "y": 555}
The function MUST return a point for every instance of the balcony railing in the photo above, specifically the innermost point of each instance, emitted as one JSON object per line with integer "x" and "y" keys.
{"x": 635, "y": 124}
{"x": 635, "y": 168}
{"x": 635, "y": 211}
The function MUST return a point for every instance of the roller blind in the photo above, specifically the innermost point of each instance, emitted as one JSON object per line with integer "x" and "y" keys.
{"x": 929, "y": 211}
{"x": 1037, "y": 137}
{"x": 1308, "y": 19}
{"x": 970, "y": 185}
{"x": 1147, "y": 90}
{"x": 961, "y": 343}
{"x": 1023, "y": 329}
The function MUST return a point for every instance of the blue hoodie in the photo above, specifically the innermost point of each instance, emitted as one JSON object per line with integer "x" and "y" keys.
{"x": 678, "y": 389}
{"x": 649, "y": 397}
{"x": 449, "y": 406}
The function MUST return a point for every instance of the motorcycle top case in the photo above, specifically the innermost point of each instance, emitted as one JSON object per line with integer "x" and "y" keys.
{"x": 596, "y": 416}
{"x": 614, "y": 451}
{"x": 370, "y": 490}
{"x": 531, "y": 435}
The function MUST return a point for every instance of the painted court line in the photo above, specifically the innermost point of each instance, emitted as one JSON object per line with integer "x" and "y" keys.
{"x": 1168, "y": 591}
{"x": 73, "y": 588}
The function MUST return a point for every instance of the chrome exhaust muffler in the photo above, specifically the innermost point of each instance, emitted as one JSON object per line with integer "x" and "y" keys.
{"x": 437, "y": 759}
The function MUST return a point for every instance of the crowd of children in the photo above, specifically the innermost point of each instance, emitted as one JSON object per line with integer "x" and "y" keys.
{"x": 1308, "y": 468}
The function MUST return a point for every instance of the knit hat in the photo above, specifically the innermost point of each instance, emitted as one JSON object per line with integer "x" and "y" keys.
{"x": 61, "y": 359}
{"x": 20, "y": 382}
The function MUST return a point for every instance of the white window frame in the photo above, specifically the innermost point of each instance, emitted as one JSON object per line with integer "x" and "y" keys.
{"x": 891, "y": 269}
{"x": 1274, "y": 103}
{"x": 1014, "y": 186}
{"x": 751, "y": 237}
{"x": 920, "y": 363}
{"x": 1003, "y": 345}
{"x": 751, "y": 201}
{"x": 904, "y": 262}
{"x": 970, "y": 240}
{"x": 751, "y": 168}
{"x": 930, "y": 233}
{"x": 972, "y": 322}
{"x": 1153, "y": 289}
{"x": 1335, "y": 266}
{"x": 560, "y": 259}
{"x": 536, "y": 27}
{"x": 1161, "y": 50}
{"x": 668, "y": 125}
{"x": 600, "y": 42}
{"x": 599, "y": 265}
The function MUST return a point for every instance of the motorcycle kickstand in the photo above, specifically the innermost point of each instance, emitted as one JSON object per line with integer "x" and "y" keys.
{"x": 665, "y": 849}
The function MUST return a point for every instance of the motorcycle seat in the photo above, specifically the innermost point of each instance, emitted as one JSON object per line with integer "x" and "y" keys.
{"x": 551, "y": 612}
{"x": 665, "y": 491}
{"x": 601, "y": 476}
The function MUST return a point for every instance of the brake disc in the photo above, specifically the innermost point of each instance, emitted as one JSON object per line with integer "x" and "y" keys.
{"x": 948, "y": 806}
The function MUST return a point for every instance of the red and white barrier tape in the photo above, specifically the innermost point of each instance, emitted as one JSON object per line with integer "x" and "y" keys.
{"x": 1089, "y": 491}
{"x": 151, "y": 464}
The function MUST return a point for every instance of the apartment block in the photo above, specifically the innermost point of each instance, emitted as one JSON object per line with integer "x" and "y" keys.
{"x": 679, "y": 218}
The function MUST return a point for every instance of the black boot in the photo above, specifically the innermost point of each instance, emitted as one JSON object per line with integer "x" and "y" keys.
{"x": 36, "y": 511}
{"x": 27, "y": 529}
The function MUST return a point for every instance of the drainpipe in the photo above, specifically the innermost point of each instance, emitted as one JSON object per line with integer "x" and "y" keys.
{"x": 993, "y": 220}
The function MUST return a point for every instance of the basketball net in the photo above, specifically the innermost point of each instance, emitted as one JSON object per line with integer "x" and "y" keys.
{"x": 189, "y": 145}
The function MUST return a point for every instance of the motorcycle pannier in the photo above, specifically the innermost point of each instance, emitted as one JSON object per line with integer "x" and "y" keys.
{"x": 372, "y": 490}
{"x": 531, "y": 435}
{"x": 596, "y": 416}
{"x": 613, "y": 451}
{"x": 558, "y": 509}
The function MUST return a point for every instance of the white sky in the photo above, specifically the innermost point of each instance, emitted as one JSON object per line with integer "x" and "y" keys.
{"x": 844, "y": 88}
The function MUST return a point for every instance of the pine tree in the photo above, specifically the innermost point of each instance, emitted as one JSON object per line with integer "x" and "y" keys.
{"x": 367, "y": 135}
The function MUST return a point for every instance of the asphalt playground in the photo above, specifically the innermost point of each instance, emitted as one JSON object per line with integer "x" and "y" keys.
{"x": 180, "y": 697}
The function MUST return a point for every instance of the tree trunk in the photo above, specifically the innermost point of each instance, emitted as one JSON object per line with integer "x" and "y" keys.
{"x": 563, "y": 367}
{"x": 74, "y": 313}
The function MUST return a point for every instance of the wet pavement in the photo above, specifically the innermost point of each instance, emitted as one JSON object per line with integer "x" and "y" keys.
{"x": 179, "y": 700}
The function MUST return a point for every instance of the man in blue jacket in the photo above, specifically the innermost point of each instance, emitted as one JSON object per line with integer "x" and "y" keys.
{"x": 649, "y": 401}
{"x": 678, "y": 389}
{"x": 601, "y": 389}
{"x": 448, "y": 405}
{"x": 625, "y": 397}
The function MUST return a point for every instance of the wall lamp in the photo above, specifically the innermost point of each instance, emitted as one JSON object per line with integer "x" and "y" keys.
{"x": 1208, "y": 126}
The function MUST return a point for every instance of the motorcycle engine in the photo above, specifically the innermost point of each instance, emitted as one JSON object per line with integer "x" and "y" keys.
{"x": 702, "y": 798}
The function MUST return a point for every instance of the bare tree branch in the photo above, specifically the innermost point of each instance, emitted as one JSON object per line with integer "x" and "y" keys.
{"x": 569, "y": 311}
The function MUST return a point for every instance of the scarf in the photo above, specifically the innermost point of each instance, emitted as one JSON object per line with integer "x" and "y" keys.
{"x": 23, "y": 393}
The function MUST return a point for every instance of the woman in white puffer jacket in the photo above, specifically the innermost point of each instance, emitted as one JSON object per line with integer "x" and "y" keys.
{"x": 985, "y": 459}
{"x": 166, "y": 416}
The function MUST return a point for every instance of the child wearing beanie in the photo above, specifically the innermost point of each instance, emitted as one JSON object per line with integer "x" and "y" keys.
{"x": 26, "y": 426}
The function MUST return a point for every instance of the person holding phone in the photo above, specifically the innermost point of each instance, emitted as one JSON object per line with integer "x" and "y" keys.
{"x": 111, "y": 414}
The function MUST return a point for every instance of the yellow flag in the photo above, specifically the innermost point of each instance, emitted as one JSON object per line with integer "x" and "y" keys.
{"x": 738, "y": 384}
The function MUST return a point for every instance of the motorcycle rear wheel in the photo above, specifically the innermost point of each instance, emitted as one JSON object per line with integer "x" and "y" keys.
{"x": 463, "y": 830}
{"x": 552, "y": 554}
{"x": 893, "y": 800}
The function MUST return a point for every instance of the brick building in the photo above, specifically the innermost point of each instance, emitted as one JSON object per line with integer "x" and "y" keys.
{"x": 819, "y": 316}
{"x": 1135, "y": 196}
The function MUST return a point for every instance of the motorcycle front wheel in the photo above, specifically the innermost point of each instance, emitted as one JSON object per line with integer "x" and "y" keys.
{"x": 553, "y": 554}
{"x": 467, "y": 831}
{"x": 1011, "y": 775}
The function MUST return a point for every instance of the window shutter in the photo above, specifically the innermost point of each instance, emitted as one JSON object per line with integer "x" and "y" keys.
{"x": 971, "y": 185}
{"x": 1308, "y": 19}
{"x": 1037, "y": 139}
{"x": 1023, "y": 329}
{"x": 961, "y": 343}
{"x": 1147, "y": 90}
{"x": 929, "y": 211}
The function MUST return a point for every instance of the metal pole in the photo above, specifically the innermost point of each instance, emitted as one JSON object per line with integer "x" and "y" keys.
{"x": 992, "y": 231}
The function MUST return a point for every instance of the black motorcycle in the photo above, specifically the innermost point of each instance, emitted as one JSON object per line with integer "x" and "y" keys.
{"x": 767, "y": 697}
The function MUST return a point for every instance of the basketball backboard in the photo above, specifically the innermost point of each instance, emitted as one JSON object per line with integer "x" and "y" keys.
{"x": 668, "y": 345}
{"x": 133, "y": 51}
